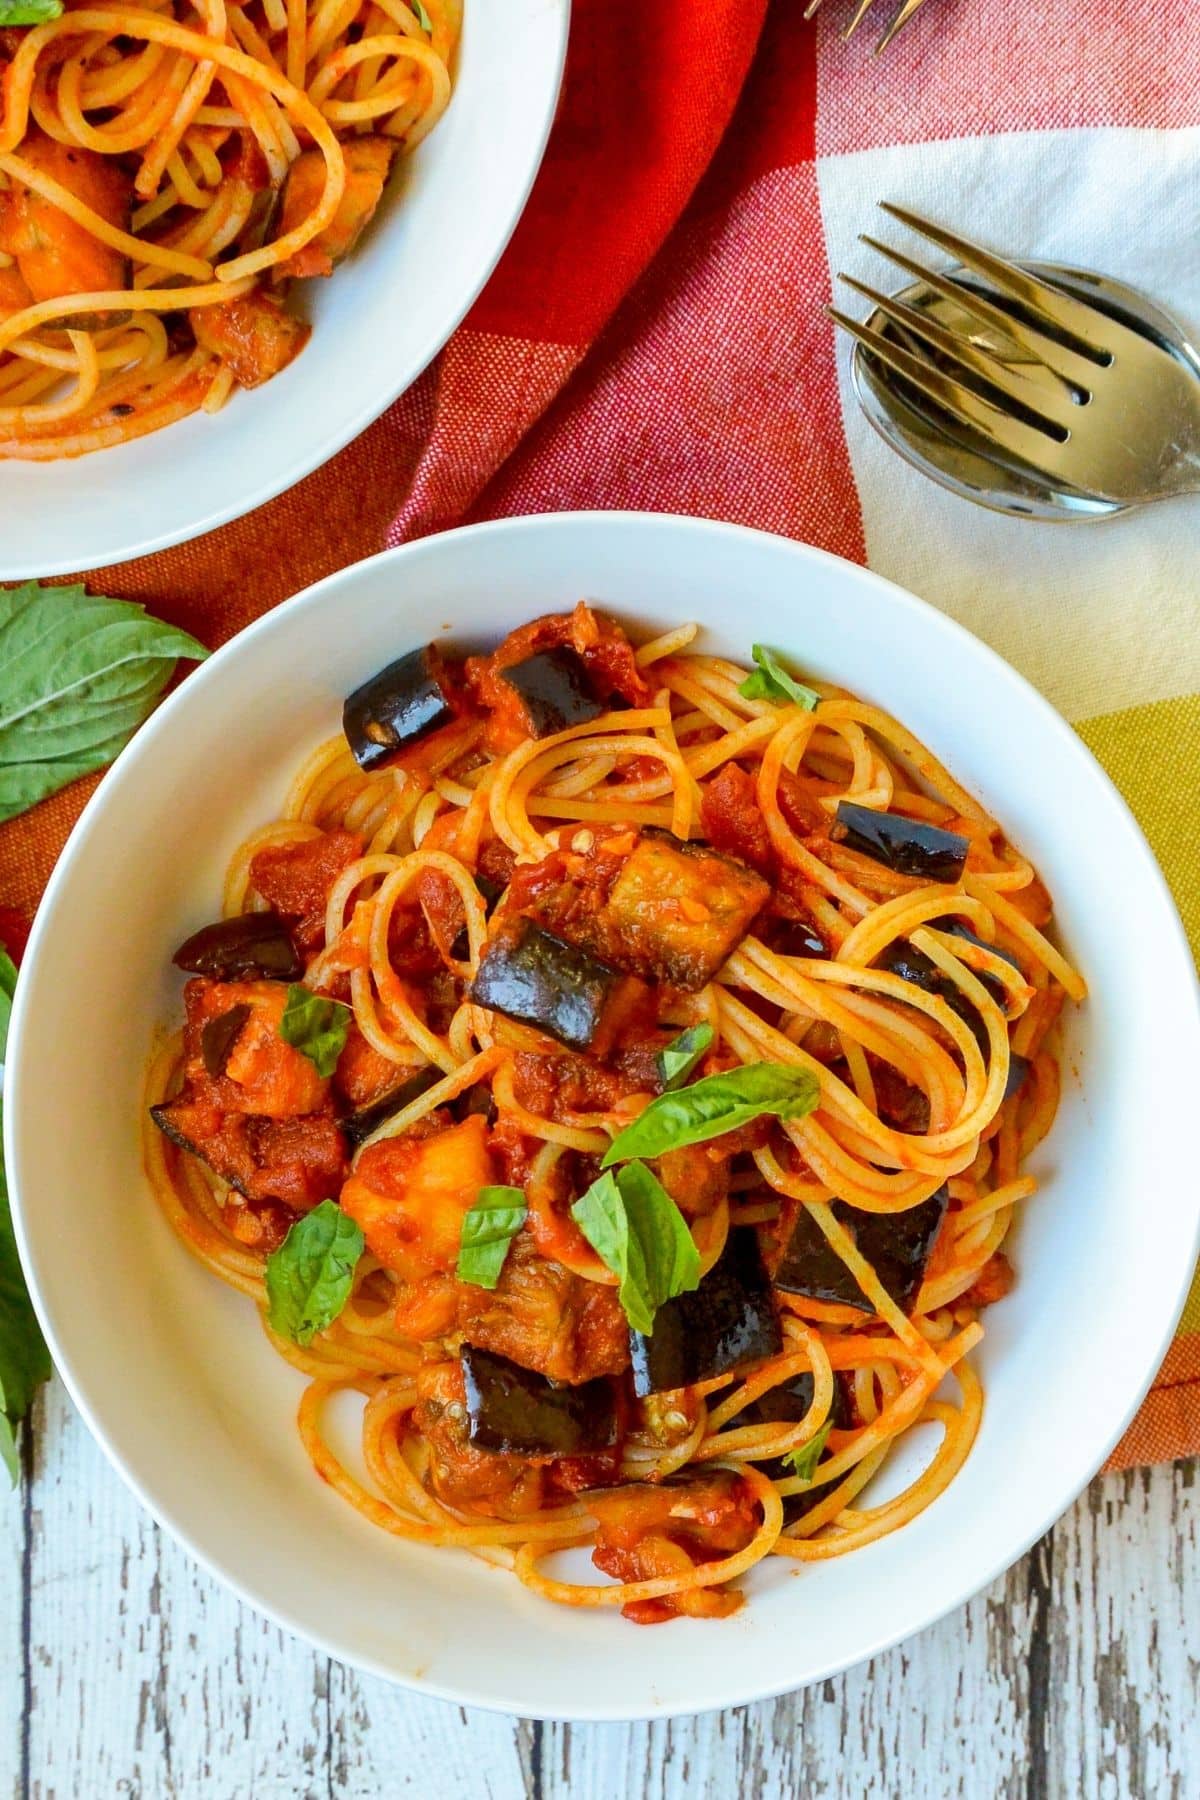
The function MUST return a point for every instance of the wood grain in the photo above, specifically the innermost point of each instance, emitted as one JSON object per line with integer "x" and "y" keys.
{"x": 126, "y": 1671}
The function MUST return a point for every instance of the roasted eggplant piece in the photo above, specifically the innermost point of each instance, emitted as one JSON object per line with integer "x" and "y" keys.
{"x": 897, "y": 1246}
{"x": 402, "y": 704}
{"x": 254, "y": 944}
{"x": 531, "y": 976}
{"x": 957, "y": 928}
{"x": 518, "y": 1412}
{"x": 677, "y": 911}
{"x": 554, "y": 690}
{"x": 219, "y": 1035}
{"x": 906, "y": 846}
{"x": 358, "y": 1126}
{"x": 730, "y": 1319}
{"x": 903, "y": 959}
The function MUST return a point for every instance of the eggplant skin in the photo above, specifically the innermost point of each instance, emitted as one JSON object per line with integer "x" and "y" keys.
{"x": 161, "y": 1114}
{"x": 554, "y": 689}
{"x": 730, "y": 1319}
{"x": 897, "y": 1246}
{"x": 218, "y": 1037}
{"x": 358, "y": 1126}
{"x": 906, "y": 846}
{"x": 403, "y": 703}
{"x": 518, "y": 1412}
{"x": 531, "y": 976}
{"x": 787, "y": 1404}
{"x": 252, "y": 944}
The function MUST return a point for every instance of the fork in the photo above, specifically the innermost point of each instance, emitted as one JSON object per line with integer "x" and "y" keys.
{"x": 1079, "y": 398}
{"x": 904, "y": 13}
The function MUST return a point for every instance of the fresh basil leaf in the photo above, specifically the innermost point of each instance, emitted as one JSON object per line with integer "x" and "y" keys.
{"x": 8, "y": 1446}
{"x": 487, "y": 1231}
{"x": 24, "y": 1358}
{"x": 310, "y": 1275}
{"x": 804, "y": 1461}
{"x": 639, "y": 1233}
{"x": 317, "y": 1027}
{"x": 423, "y": 18}
{"x": 8, "y": 984}
{"x": 29, "y": 12}
{"x": 714, "y": 1105}
{"x": 78, "y": 672}
{"x": 678, "y": 1058}
{"x": 771, "y": 681}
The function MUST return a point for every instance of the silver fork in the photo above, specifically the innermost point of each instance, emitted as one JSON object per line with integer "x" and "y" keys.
{"x": 1080, "y": 398}
{"x": 905, "y": 12}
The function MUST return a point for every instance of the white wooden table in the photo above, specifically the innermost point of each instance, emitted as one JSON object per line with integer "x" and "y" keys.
{"x": 125, "y": 1671}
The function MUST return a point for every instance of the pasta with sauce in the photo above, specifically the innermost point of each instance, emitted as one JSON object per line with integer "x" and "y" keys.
{"x": 166, "y": 173}
{"x": 619, "y": 1068}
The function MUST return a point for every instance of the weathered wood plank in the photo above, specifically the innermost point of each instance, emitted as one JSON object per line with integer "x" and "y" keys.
{"x": 1125, "y": 1641}
{"x": 1077, "y": 1673}
{"x": 148, "y": 1679}
{"x": 14, "y": 1510}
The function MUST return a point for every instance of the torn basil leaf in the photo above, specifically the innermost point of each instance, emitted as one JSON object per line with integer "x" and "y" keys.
{"x": 639, "y": 1233}
{"x": 771, "y": 681}
{"x": 310, "y": 1276}
{"x": 487, "y": 1230}
{"x": 714, "y": 1105}
{"x": 678, "y": 1058}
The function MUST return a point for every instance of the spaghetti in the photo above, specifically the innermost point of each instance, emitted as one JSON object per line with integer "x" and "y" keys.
{"x": 690, "y": 1035}
{"x": 166, "y": 172}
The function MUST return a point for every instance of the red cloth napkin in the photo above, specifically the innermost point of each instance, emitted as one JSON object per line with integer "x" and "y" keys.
{"x": 656, "y": 334}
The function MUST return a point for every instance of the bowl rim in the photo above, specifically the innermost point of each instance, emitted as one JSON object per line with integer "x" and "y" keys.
{"x": 283, "y": 478}
{"x": 331, "y": 1644}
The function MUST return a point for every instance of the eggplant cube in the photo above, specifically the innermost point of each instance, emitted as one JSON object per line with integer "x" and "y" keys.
{"x": 730, "y": 1319}
{"x": 518, "y": 1412}
{"x": 554, "y": 690}
{"x": 251, "y": 944}
{"x": 402, "y": 704}
{"x": 908, "y": 846}
{"x": 677, "y": 911}
{"x": 897, "y": 1246}
{"x": 533, "y": 977}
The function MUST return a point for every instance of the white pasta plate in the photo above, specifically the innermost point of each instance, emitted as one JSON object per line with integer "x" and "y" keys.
{"x": 447, "y": 215}
{"x": 171, "y": 1370}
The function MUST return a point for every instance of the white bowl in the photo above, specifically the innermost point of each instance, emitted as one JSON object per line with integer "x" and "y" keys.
{"x": 382, "y": 318}
{"x": 170, "y": 1368}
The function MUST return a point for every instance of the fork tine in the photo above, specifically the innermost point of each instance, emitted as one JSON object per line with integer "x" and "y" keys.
{"x": 1011, "y": 435}
{"x": 907, "y": 10}
{"x": 1048, "y": 350}
{"x": 1072, "y": 316}
{"x": 1045, "y": 396}
{"x": 864, "y": 7}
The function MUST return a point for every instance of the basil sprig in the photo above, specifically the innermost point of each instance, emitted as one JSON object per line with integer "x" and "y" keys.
{"x": 714, "y": 1105}
{"x": 804, "y": 1460}
{"x": 639, "y": 1233}
{"x": 78, "y": 674}
{"x": 317, "y": 1027}
{"x": 771, "y": 681}
{"x": 487, "y": 1231}
{"x": 310, "y": 1276}
{"x": 8, "y": 983}
{"x": 677, "y": 1059}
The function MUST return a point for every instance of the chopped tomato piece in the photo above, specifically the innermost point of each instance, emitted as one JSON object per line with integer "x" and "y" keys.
{"x": 606, "y": 652}
{"x": 558, "y": 1085}
{"x": 410, "y": 1193}
{"x": 368, "y": 160}
{"x": 546, "y": 1318}
{"x": 296, "y": 880}
{"x": 732, "y": 821}
{"x": 14, "y": 290}
{"x": 362, "y": 1075}
{"x": 261, "y": 1073}
{"x": 55, "y": 256}
{"x": 486, "y": 1481}
{"x": 297, "y": 1161}
{"x": 993, "y": 1282}
{"x": 253, "y": 336}
{"x": 648, "y": 1532}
